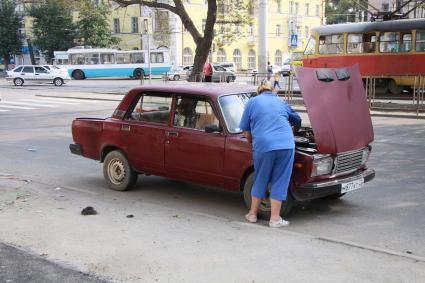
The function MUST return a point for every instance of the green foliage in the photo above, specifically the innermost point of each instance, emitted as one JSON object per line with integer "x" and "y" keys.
{"x": 341, "y": 11}
{"x": 10, "y": 39}
{"x": 53, "y": 26}
{"x": 93, "y": 24}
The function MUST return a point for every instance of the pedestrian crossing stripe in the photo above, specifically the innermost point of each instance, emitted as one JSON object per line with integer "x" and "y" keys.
{"x": 67, "y": 99}
{"x": 28, "y": 104}
{"x": 3, "y": 110}
{"x": 15, "y": 107}
{"x": 49, "y": 102}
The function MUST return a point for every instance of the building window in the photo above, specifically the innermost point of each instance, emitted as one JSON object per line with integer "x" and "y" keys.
{"x": 252, "y": 59}
{"x": 221, "y": 55}
{"x": 278, "y": 31}
{"x": 307, "y": 9}
{"x": 279, "y": 6}
{"x": 134, "y": 25}
{"x": 278, "y": 58}
{"x": 187, "y": 56}
{"x": 291, "y": 7}
{"x": 296, "y": 8}
{"x": 116, "y": 25}
{"x": 237, "y": 58}
{"x": 317, "y": 10}
{"x": 306, "y": 30}
{"x": 251, "y": 30}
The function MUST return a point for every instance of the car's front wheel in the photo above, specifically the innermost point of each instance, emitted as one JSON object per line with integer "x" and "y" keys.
{"x": 264, "y": 210}
{"x": 58, "y": 82}
{"x": 118, "y": 172}
{"x": 18, "y": 82}
{"x": 176, "y": 78}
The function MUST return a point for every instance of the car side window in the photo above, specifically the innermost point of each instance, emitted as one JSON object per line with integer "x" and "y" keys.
{"x": 17, "y": 70}
{"x": 153, "y": 108}
{"x": 28, "y": 69}
{"x": 194, "y": 113}
{"x": 40, "y": 70}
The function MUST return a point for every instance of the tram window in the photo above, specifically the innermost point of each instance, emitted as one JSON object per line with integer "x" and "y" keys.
{"x": 137, "y": 58}
{"x": 420, "y": 41}
{"x": 406, "y": 43}
{"x": 77, "y": 59}
{"x": 311, "y": 46}
{"x": 331, "y": 44}
{"x": 389, "y": 42}
{"x": 92, "y": 58}
{"x": 361, "y": 43}
{"x": 122, "y": 58}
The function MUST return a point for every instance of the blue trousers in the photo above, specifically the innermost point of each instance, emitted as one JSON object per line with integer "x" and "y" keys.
{"x": 273, "y": 167}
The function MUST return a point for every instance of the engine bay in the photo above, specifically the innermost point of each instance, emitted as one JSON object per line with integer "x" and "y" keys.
{"x": 304, "y": 140}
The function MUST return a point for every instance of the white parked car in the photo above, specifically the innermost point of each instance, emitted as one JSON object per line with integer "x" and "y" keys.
{"x": 229, "y": 66}
{"x": 286, "y": 68}
{"x": 176, "y": 74}
{"x": 37, "y": 74}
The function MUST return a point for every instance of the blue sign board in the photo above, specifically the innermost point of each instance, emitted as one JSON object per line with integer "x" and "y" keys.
{"x": 294, "y": 40}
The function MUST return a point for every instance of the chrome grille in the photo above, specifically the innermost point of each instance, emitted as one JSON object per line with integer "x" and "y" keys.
{"x": 348, "y": 161}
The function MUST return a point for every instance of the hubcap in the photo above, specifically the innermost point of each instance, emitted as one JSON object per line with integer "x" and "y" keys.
{"x": 116, "y": 171}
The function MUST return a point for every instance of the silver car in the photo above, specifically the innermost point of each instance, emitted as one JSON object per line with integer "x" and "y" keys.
{"x": 176, "y": 74}
{"x": 220, "y": 74}
{"x": 37, "y": 74}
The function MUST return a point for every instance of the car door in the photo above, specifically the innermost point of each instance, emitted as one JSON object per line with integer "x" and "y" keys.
{"x": 219, "y": 74}
{"x": 42, "y": 75}
{"x": 192, "y": 153}
{"x": 143, "y": 131}
{"x": 27, "y": 73}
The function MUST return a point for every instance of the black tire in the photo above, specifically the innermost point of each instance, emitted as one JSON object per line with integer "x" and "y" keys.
{"x": 394, "y": 88}
{"x": 176, "y": 78}
{"x": 18, "y": 82}
{"x": 58, "y": 82}
{"x": 78, "y": 75}
{"x": 118, "y": 172}
{"x": 265, "y": 209}
{"x": 138, "y": 73}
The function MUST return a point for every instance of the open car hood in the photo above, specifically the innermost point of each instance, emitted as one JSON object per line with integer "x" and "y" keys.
{"x": 337, "y": 107}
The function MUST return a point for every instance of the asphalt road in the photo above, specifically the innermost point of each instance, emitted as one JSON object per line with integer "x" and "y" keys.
{"x": 384, "y": 217}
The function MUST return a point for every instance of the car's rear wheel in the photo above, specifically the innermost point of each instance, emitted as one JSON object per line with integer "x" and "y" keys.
{"x": 176, "y": 78}
{"x": 118, "y": 172}
{"x": 265, "y": 206}
{"x": 78, "y": 75}
{"x": 58, "y": 82}
{"x": 138, "y": 73}
{"x": 18, "y": 82}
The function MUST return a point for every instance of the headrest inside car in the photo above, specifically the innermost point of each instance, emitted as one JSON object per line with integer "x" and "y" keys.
{"x": 324, "y": 75}
{"x": 342, "y": 74}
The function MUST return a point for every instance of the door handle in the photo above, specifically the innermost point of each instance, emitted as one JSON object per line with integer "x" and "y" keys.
{"x": 172, "y": 134}
{"x": 22, "y": 74}
{"x": 125, "y": 128}
{"x": 37, "y": 74}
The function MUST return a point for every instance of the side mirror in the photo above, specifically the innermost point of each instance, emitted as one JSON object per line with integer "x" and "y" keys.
{"x": 212, "y": 128}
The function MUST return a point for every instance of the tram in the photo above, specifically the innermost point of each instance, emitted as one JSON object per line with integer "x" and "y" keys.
{"x": 391, "y": 51}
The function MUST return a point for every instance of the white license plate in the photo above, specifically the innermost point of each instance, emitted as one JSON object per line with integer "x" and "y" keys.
{"x": 351, "y": 186}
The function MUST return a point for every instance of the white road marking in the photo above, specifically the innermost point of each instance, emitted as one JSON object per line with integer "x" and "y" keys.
{"x": 2, "y": 110}
{"x": 49, "y": 102}
{"x": 28, "y": 103}
{"x": 16, "y": 107}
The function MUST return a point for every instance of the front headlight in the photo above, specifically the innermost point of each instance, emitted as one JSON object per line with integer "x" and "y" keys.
{"x": 322, "y": 165}
{"x": 365, "y": 156}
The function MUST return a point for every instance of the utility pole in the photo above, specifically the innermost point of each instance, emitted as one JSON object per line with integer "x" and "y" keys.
{"x": 262, "y": 37}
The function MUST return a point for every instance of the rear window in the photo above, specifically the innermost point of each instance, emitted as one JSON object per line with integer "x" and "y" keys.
{"x": 28, "y": 70}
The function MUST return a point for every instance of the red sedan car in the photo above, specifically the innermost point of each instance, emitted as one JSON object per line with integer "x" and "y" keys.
{"x": 191, "y": 133}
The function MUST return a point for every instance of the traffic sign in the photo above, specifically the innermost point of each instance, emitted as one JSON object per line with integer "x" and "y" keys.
{"x": 294, "y": 40}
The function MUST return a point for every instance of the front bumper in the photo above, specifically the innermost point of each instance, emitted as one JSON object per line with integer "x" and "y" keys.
{"x": 321, "y": 189}
{"x": 76, "y": 149}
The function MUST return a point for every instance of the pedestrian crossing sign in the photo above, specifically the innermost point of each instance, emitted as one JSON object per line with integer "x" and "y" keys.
{"x": 294, "y": 40}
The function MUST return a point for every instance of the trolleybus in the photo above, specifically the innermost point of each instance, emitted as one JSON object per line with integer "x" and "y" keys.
{"x": 83, "y": 63}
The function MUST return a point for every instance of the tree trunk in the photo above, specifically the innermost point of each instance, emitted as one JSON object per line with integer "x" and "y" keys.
{"x": 6, "y": 58}
{"x": 31, "y": 51}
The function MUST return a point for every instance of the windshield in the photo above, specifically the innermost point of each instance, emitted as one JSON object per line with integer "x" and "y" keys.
{"x": 232, "y": 107}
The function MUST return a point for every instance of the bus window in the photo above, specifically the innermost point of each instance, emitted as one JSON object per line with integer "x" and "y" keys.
{"x": 92, "y": 58}
{"x": 107, "y": 58}
{"x": 420, "y": 41}
{"x": 311, "y": 46}
{"x": 406, "y": 42}
{"x": 389, "y": 42}
{"x": 122, "y": 58}
{"x": 157, "y": 57}
{"x": 77, "y": 59}
{"x": 137, "y": 58}
{"x": 331, "y": 44}
{"x": 361, "y": 43}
